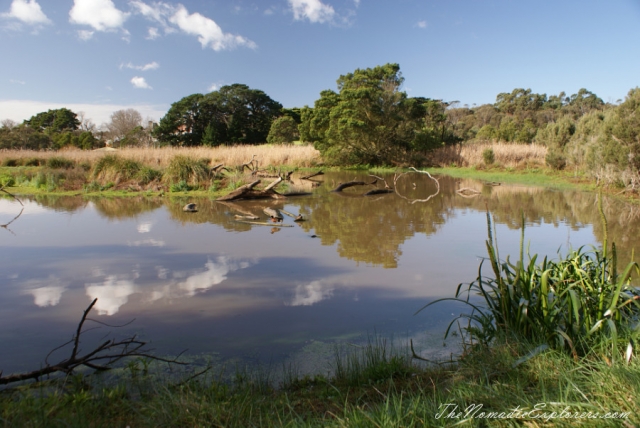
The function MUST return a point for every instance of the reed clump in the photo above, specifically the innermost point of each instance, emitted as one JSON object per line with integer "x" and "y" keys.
{"x": 192, "y": 171}
{"x": 580, "y": 303}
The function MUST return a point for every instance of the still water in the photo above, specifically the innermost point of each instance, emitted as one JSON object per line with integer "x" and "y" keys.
{"x": 217, "y": 287}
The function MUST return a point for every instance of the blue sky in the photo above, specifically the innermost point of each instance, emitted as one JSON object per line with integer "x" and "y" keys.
{"x": 99, "y": 56}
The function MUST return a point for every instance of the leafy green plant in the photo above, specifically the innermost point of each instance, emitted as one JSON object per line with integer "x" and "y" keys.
{"x": 181, "y": 186}
{"x": 579, "y": 303}
{"x": 7, "y": 180}
{"x": 488, "y": 156}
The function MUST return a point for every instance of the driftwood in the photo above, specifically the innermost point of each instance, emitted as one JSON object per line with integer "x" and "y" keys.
{"x": 273, "y": 213}
{"x": 100, "y": 358}
{"x": 6, "y": 225}
{"x": 259, "y": 223}
{"x": 248, "y": 192}
{"x": 378, "y": 192}
{"x": 241, "y": 210}
{"x": 273, "y": 185}
{"x": 467, "y": 192}
{"x": 252, "y": 165}
{"x": 293, "y": 216}
{"x": 348, "y": 184}
{"x": 413, "y": 201}
{"x": 306, "y": 177}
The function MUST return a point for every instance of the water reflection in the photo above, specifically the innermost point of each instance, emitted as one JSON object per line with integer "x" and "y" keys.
{"x": 235, "y": 287}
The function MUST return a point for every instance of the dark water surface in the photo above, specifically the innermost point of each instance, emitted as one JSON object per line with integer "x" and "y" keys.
{"x": 206, "y": 282}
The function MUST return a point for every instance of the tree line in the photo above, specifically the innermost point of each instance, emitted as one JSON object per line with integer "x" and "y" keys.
{"x": 368, "y": 119}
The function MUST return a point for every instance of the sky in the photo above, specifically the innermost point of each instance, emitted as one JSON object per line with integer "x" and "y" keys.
{"x": 99, "y": 56}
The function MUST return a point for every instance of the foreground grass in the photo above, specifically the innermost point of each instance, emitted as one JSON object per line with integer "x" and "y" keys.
{"x": 384, "y": 391}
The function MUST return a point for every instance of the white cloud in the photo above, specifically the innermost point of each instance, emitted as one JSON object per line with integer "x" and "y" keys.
{"x": 101, "y": 15}
{"x": 20, "y": 110}
{"x": 209, "y": 33}
{"x": 145, "y": 227}
{"x": 422, "y": 24}
{"x": 153, "y": 33}
{"x": 47, "y": 296}
{"x": 313, "y": 10}
{"x": 139, "y": 82}
{"x": 150, "y": 66}
{"x": 85, "y": 34}
{"x": 27, "y": 11}
{"x": 111, "y": 294}
{"x": 310, "y": 294}
{"x": 18, "y": 82}
{"x": 173, "y": 18}
{"x": 215, "y": 273}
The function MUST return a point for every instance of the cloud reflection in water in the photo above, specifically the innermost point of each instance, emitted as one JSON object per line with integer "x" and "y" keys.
{"x": 312, "y": 293}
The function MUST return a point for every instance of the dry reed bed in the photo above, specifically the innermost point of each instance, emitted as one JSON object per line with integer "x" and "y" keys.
{"x": 506, "y": 155}
{"x": 266, "y": 155}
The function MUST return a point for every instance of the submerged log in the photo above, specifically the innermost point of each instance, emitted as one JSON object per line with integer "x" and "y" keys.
{"x": 378, "y": 192}
{"x": 260, "y": 223}
{"x": 274, "y": 214}
{"x": 306, "y": 177}
{"x": 248, "y": 192}
{"x": 348, "y": 184}
{"x": 293, "y": 216}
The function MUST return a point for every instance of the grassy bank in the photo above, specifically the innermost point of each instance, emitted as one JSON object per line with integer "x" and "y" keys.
{"x": 374, "y": 388}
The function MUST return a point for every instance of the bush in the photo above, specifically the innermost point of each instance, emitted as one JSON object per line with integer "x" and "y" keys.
{"x": 194, "y": 172}
{"x": 112, "y": 168}
{"x": 555, "y": 160}
{"x": 7, "y": 180}
{"x": 488, "y": 156}
{"x": 283, "y": 131}
{"x": 60, "y": 163}
{"x": 10, "y": 162}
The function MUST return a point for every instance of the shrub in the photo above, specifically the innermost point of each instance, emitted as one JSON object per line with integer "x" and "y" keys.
{"x": 60, "y": 163}
{"x": 555, "y": 160}
{"x": 7, "y": 180}
{"x": 192, "y": 171}
{"x": 10, "y": 162}
{"x": 488, "y": 156}
{"x": 112, "y": 168}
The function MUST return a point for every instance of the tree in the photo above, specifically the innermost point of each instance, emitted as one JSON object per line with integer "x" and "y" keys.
{"x": 52, "y": 121}
{"x": 123, "y": 126}
{"x": 235, "y": 114}
{"x": 283, "y": 131}
{"x": 369, "y": 120}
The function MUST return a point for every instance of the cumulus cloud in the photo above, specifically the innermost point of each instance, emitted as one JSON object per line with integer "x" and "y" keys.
{"x": 313, "y": 10}
{"x": 310, "y": 294}
{"x": 422, "y": 24}
{"x": 173, "y": 18}
{"x": 111, "y": 294}
{"x": 139, "y": 82}
{"x": 27, "y": 11}
{"x": 215, "y": 273}
{"x": 101, "y": 15}
{"x": 208, "y": 32}
{"x": 150, "y": 66}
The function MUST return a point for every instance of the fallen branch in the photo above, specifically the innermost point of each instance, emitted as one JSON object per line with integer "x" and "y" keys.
{"x": 413, "y": 201}
{"x": 348, "y": 184}
{"x": 378, "y": 192}
{"x": 6, "y": 225}
{"x": 274, "y": 184}
{"x": 100, "y": 358}
{"x": 467, "y": 192}
{"x": 259, "y": 223}
{"x": 293, "y": 216}
{"x": 306, "y": 177}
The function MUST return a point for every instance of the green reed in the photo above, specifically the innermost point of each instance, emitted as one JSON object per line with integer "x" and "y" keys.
{"x": 579, "y": 303}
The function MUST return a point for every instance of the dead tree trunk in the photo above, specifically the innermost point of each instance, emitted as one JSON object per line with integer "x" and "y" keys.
{"x": 348, "y": 184}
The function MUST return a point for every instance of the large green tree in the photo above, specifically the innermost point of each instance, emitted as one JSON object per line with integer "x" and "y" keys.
{"x": 235, "y": 114}
{"x": 50, "y": 121}
{"x": 369, "y": 120}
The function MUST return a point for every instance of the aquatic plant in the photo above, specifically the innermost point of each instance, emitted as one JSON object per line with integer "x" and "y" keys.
{"x": 192, "y": 171}
{"x": 580, "y": 303}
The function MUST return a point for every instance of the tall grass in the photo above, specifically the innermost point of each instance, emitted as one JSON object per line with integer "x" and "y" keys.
{"x": 504, "y": 154}
{"x": 267, "y": 155}
{"x": 580, "y": 303}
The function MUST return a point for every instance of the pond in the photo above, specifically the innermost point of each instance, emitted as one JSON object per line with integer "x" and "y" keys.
{"x": 219, "y": 288}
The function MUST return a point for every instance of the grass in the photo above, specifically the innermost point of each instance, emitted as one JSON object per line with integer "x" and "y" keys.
{"x": 370, "y": 393}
